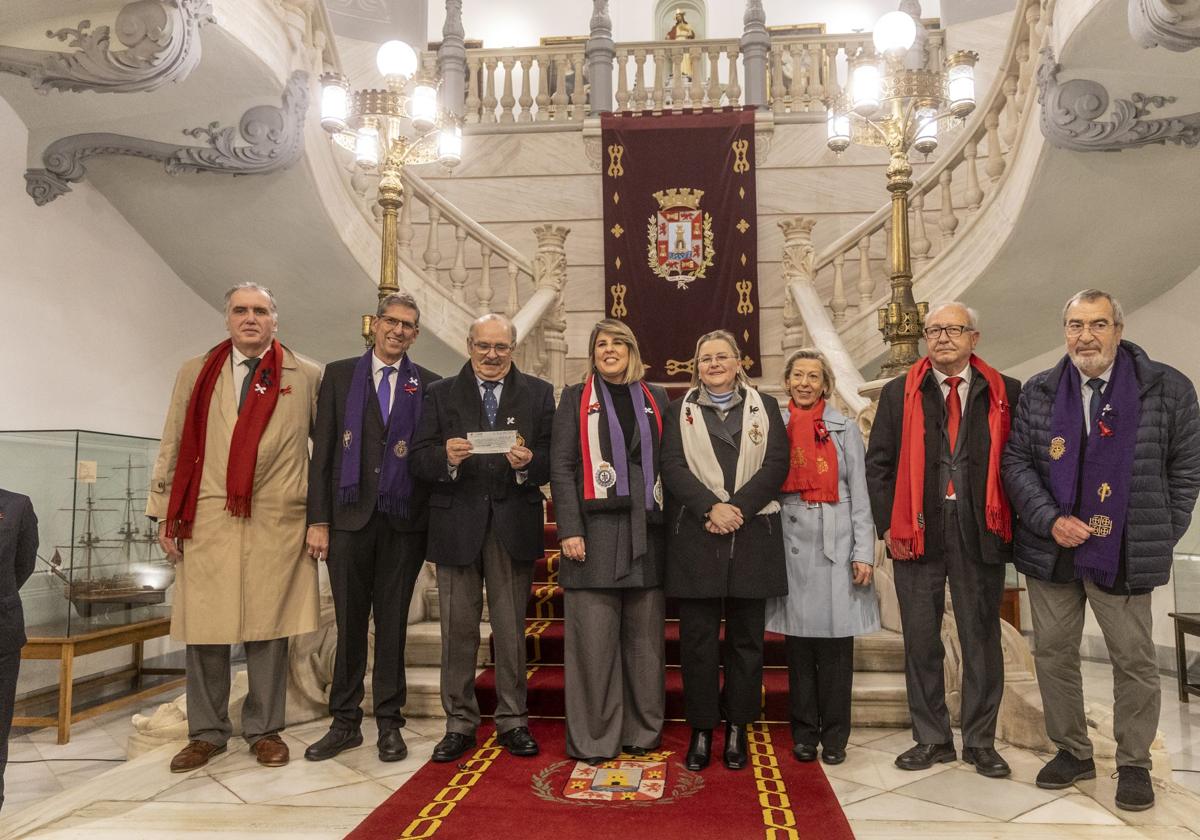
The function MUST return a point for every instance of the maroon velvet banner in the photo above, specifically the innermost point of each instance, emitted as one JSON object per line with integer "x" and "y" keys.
{"x": 681, "y": 234}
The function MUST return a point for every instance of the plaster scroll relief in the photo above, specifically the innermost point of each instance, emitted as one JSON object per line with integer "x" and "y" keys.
{"x": 1174, "y": 24}
{"x": 273, "y": 135}
{"x": 162, "y": 44}
{"x": 1070, "y": 110}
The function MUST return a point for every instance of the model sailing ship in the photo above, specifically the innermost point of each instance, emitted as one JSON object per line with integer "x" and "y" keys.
{"x": 117, "y": 572}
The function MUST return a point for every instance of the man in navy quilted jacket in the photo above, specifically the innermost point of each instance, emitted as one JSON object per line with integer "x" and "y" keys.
{"x": 1103, "y": 469}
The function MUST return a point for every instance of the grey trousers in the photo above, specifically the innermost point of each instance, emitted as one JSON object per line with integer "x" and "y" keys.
{"x": 614, "y": 659}
{"x": 976, "y": 589}
{"x": 460, "y": 591}
{"x": 1125, "y": 621}
{"x": 208, "y": 679}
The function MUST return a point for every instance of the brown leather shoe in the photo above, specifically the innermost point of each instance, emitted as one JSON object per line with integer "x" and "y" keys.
{"x": 195, "y": 754}
{"x": 271, "y": 751}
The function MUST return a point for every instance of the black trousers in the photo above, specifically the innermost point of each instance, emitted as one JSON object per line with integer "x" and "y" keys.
{"x": 10, "y": 664}
{"x": 372, "y": 570}
{"x": 820, "y": 679}
{"x": 976, "y": 589}
{"x": 703, "y": 654}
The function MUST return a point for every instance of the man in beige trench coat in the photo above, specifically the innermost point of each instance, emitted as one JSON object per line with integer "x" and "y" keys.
{"x": 228, "y": 491}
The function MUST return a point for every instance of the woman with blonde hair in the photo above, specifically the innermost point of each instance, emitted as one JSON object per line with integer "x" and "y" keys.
{"x": 829, "y": 538}
{"x": 724, "y": 457}
{"x": 604, "y": 474}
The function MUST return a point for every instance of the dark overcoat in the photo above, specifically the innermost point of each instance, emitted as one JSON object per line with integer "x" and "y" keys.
{"x": 883, "y": 456}
{"x": 486, "y": 489}
{"x": 1165, "y": 482}
{"x": 606, "y": 533}
{"x": 749, "y": 562}
{"x": 18, "y": 553}
{"x": 325, "y": 469}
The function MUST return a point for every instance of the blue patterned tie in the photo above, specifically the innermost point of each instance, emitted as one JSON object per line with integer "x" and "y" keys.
{"x": 1097, "y": 385}
{"x": 490, "y": 406}
{"x": 385, "y": 392}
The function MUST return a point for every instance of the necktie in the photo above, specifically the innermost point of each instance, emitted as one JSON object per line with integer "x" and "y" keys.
{"x": 490, "y": 406}
{"x": 251, "y": 366}
{"x": 953, "y": 419}
{"x": 385, "y": 392}
{"x": 1097, "y": 385}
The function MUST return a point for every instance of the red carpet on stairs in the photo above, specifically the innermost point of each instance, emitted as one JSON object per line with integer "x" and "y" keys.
{"x": 490, "y": 793}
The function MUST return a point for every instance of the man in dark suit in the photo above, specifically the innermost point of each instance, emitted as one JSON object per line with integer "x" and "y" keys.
{"x": 485, "y": 525}
{"x": 18, "y": 552}
{"x": 367, "y": 516}
{"x": 936, "y": 495}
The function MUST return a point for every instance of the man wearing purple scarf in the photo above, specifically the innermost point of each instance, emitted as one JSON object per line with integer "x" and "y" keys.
{"x": 367, "y": 518}
{"x": 1103, "y": 469}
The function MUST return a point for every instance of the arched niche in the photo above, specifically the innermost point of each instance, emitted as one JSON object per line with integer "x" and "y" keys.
{"x": 695, "y": 12}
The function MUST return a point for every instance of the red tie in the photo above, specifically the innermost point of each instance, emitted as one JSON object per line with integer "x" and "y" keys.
{"x": 953, "y": 419}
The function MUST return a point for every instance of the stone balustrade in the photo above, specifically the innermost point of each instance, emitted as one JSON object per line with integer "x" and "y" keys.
{"x": 967, "y": 172}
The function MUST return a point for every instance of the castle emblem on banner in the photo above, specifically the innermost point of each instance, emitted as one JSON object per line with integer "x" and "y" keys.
{"x": 680, "y": 237}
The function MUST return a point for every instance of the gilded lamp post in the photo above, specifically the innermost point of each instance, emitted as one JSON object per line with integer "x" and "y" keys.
{"x": 892, "y": 105}
{"x": 387, "y": 130}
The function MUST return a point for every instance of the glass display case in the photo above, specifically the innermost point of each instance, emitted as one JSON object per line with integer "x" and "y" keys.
{"x": 99, "y": 565}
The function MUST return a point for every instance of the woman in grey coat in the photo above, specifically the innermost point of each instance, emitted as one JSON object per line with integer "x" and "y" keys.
{"x": 829, "y": 541}
{"x": 604, "y": 464}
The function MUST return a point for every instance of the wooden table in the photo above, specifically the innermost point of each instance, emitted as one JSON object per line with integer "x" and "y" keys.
{"x": 1186, "y": 624}
{"x": 1010, "y": 605}
{"x": 66, "y": 648}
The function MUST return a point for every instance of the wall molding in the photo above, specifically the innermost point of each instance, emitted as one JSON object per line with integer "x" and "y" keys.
{"x": 1173, "y": 24}
{"x": 1070, "y": 110}
{"x": 162, "y": 40}
{"x": 273, "y": 135}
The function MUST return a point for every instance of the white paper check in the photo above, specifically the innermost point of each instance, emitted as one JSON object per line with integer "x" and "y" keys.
{"x": 492, "y": 443}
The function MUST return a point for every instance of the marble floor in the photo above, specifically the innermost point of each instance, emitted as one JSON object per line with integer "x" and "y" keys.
{"x": 86, "y": 789}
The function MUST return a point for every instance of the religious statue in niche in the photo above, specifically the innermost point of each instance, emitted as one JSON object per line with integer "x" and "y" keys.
{"x": 682, "y": 31}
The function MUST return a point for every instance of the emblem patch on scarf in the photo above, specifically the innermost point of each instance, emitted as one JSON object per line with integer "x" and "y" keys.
{"x": 1058, "y": 447}
{"x": 400, "y": 449}
{"x": 756, "y": 435}
{"x": 347, "y": 439}
{"x": 606, "y": 476}
{"x": 1101, "y": 525}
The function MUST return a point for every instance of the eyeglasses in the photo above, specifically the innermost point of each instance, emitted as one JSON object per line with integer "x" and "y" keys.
{"x": 719, "y": 359}
{"x": 392, "y": 323}
{"x": 952, "y": 330}
{"x": 485, "y": 348}
{"x": 1096, "y": 328}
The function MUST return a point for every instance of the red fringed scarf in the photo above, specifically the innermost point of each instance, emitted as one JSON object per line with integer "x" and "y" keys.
{"x": 814, "y": 466}
{"x": 243, "y": 448}
{"x": 908, "y": 514}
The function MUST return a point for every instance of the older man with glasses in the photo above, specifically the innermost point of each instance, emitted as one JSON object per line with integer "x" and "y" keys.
{"x": 484, "y": 447}
{"x": 933, "y": 472}
{"x": 1103, "y": 467}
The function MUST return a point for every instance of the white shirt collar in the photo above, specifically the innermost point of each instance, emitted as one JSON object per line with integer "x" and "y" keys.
{"x": 965, "y": 373}
{"x": 377, "y": 364}
{"x": 239, "y": 357}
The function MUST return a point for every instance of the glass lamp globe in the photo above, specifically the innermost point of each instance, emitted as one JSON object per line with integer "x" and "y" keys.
{"x": 396, "y": 58}
{"x": 895, "y": 33}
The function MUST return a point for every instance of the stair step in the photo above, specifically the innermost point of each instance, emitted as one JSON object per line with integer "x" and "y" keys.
{"x": 423, "y": 646}
{"x": 424, "y": 697}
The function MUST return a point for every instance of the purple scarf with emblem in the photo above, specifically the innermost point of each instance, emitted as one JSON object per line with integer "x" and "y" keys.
{"x": 395, "y": 483}
{"x": 1107, "y": 473}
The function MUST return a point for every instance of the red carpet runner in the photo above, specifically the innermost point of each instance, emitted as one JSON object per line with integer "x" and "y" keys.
{"x": 490, "y": 793}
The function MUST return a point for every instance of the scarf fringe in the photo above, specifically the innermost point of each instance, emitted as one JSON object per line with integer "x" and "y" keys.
{"x": 179, "y": 529}
{"x": 348, "y": 495}
{"x": 393, "y": 504}
{"x": 238, "y": 506}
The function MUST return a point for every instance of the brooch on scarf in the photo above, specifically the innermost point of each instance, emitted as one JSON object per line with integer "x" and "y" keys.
{"x": 265, "y": 379}
{"x": 753, "y": 409}
{"x": 1106, "y": 413}
{"x": 594, "y": 408}
{"x": 260, "y": 389}
{"x": 413, "y": 384}
{"x": 821, "y": 431}
{"x": 687, "y": 415}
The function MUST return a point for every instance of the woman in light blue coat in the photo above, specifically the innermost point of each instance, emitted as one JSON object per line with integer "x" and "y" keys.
{"x": 829, "y": 540}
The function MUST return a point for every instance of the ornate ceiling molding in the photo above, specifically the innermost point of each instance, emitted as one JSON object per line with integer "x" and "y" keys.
{"x": 162, "y": 38}
{"x": 274, "y": 139}
{"x": 1174, "y": 24}
{"x": 1070, "y": 109}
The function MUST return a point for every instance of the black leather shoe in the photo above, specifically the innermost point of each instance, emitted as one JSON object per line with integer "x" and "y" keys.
{"x": 699, "y": 749}
{"x": 805, "y": 752}
{"x": 629, "y": 749}
{"x": 333, "y": 742}
{"x": 1134, "y": 789}
{"x": 735, "y": 746}
{"x": 1064, "y": 770}
{"x": 924, "y": 756}
{"x": 833, "y": 756}
{"x": 518, "y": 741}
{"x": 452, "y": 746}
{"x": 987, "y": 762}
{"x": 595, "y": 760}
{"x": 392, "y": 746}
